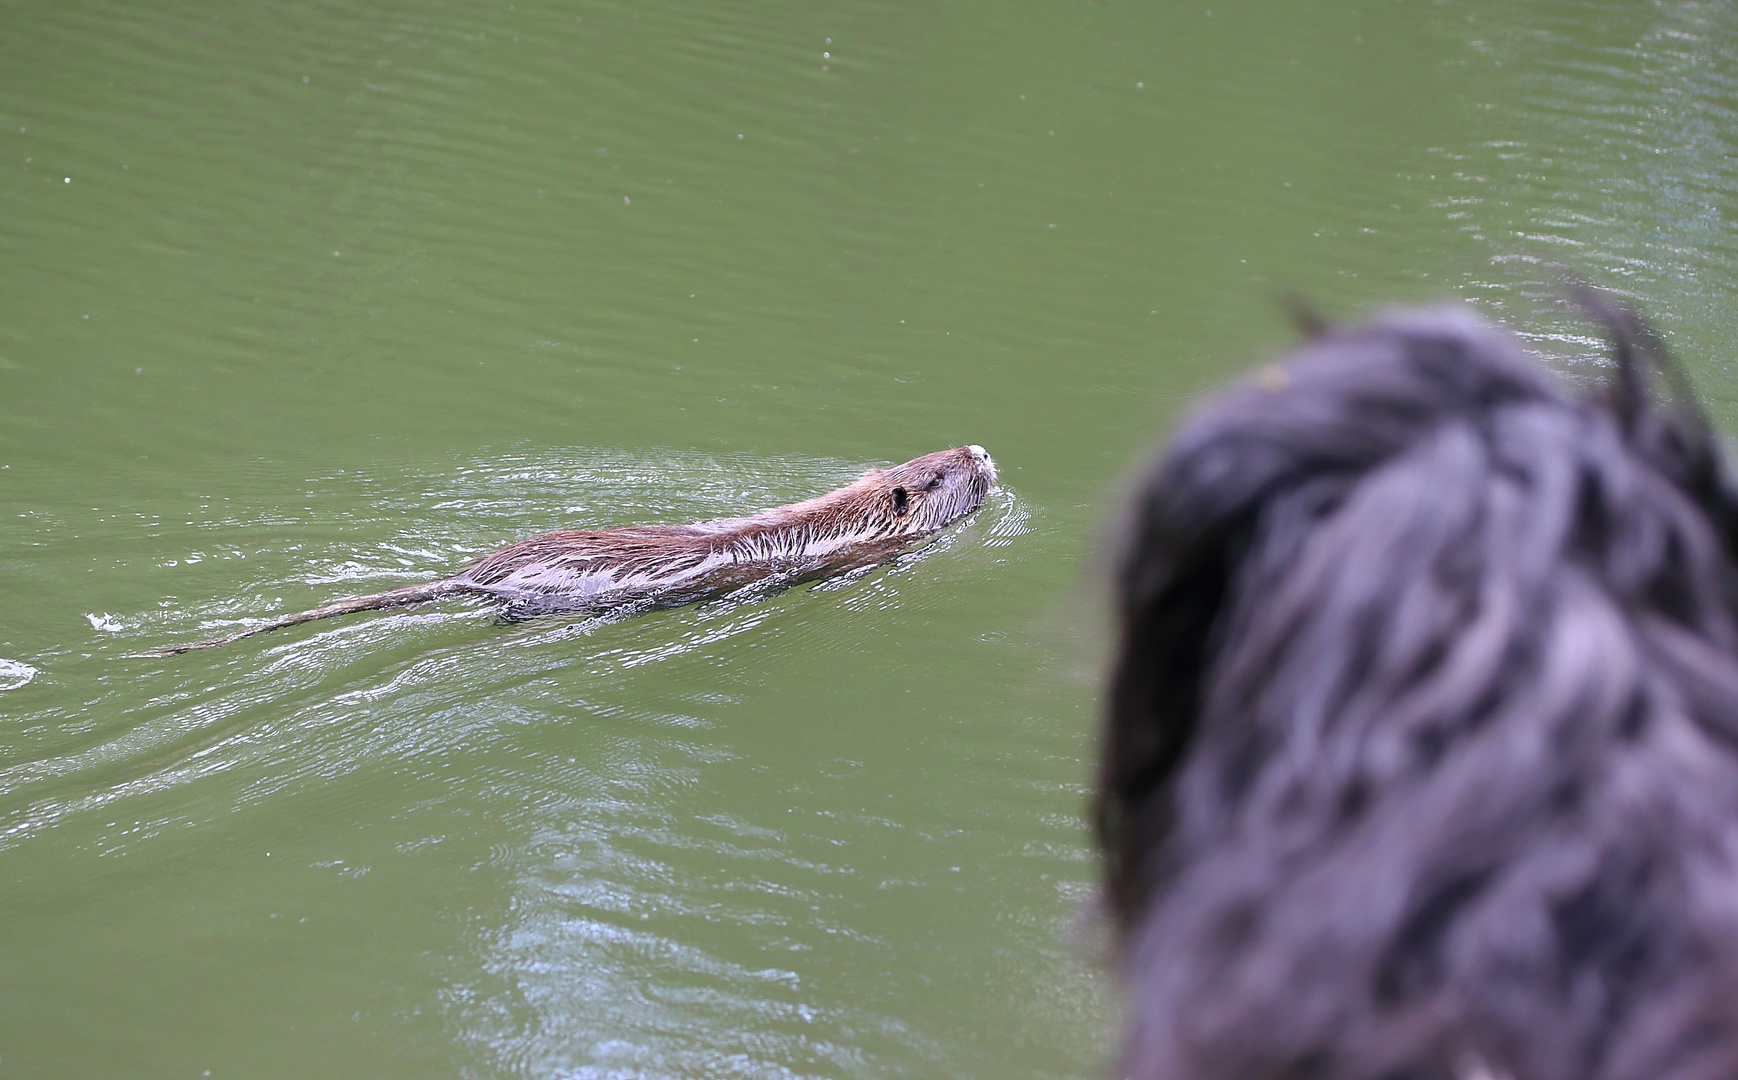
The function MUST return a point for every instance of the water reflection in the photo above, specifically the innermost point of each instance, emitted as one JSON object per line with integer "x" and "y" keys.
{"x": 1614, "y": 157}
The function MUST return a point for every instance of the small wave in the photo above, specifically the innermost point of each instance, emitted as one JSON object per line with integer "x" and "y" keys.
{"x": 1013, "y": 521}
{"x": 14, "y": 673}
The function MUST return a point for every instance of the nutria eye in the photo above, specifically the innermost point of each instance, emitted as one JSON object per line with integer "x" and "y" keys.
{"x": 934, "y": 482}
{"x": 901, "y": 502}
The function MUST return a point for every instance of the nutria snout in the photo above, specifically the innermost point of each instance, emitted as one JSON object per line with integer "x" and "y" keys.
{"x": 879, "y": 515}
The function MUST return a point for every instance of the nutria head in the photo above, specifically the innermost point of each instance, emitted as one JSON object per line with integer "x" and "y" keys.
{"x": 883, "y": 506}
{"x": 933, "y": 491}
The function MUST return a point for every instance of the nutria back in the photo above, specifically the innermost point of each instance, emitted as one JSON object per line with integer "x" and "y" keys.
{"x": 867, "y": 521}
{"x": 877, "y": 516}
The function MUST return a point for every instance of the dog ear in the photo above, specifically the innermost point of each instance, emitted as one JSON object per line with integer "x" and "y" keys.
{"x": 1635, "y": 349}
{"x": 1673, "y": 436}
{"x": 1172, "y": 585}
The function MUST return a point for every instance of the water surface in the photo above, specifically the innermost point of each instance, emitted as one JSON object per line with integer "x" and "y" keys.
{"x": 306, "y": 300}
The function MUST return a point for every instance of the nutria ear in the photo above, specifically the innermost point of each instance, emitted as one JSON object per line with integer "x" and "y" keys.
{"x": 901, "y": 501}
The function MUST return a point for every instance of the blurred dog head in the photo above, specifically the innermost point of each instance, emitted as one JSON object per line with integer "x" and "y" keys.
{"x": 1421, "y": 754}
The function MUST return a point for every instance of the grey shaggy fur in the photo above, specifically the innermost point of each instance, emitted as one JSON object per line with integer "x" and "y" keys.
{"x": 1421, "y": 752}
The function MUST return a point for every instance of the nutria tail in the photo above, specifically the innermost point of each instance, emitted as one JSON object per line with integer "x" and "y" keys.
{"x": 402, "y": 596}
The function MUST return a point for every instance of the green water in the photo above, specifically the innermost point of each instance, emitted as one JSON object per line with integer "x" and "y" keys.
{"x": 301, "y": 300}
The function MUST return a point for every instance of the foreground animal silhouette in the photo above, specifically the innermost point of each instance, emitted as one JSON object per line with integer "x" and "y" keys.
{"x": 863, "y": 523}
{"x": 1421, "y": 752}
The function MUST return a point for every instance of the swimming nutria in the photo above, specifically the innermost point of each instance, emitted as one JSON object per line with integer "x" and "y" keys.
{"x": 863, "y": 523}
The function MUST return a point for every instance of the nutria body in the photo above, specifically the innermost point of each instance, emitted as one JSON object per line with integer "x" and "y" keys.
{"x": 881, "y": 514}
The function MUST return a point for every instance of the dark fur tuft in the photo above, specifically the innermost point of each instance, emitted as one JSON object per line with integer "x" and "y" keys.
{"x": 1421, "y": 754}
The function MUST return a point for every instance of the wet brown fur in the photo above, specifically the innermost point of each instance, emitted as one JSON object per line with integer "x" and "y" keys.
{"x": 869, "y": 521}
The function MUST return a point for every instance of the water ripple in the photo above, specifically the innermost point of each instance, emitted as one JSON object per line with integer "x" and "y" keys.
{"x": 314, "y": 705}
{"x": 15, "y": 673}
